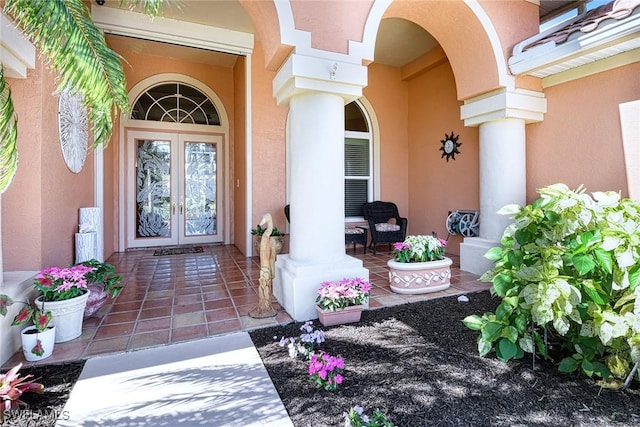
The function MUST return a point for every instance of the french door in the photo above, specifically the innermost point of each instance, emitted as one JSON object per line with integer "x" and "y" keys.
{"x": 173, "y": 189}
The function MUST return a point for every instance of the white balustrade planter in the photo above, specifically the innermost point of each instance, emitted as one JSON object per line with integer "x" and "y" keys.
{"x": 419, "y": 277}
{"x": 67, "y": 316}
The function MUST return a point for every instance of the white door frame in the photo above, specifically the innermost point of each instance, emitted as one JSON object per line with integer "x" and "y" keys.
{"x": 127, "y": 124}
{"x": 177, "y": 232}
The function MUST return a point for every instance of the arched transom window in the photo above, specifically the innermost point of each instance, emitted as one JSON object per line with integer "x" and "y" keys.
{"x": 175, "y": 103}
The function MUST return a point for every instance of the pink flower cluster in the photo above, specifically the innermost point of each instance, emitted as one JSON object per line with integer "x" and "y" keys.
{"x": 325, "y": 370}
{"x": 57, "y": 283}
{"x": 347, "y": 292}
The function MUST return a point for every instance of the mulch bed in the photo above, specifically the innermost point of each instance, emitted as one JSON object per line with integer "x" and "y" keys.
{"x": 417, "y": 363}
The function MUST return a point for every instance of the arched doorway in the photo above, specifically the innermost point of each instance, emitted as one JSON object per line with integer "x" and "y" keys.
{"x": 175, "y": 161}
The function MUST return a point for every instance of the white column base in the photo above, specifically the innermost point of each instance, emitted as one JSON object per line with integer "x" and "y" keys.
{"x": 19, "y": 286}
{"x": 296, "y": 283}
{"x": 472, "y": 251}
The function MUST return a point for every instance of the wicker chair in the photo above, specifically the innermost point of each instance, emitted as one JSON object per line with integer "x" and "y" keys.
{"x": 379, "y": 214}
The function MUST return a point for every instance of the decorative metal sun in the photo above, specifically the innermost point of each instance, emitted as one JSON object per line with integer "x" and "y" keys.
{"x": 450, "y": 146}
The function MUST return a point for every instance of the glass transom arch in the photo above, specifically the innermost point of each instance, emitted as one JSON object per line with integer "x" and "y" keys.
{"x": 175, "y": 103}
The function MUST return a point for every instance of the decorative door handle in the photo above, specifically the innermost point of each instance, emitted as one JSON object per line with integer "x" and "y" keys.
{"x": 173, "y": 208}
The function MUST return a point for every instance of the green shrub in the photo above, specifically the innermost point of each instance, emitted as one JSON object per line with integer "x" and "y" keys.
{"x": 568, "y": 263}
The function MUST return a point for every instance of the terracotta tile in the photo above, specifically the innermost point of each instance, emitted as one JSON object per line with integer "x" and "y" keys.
{"x": 221, "y": 303}
{"x": 149, "y": 339}
{"x": 247, "y": 290}
{"x": 111, "y": 331}
{"x": 150, "y": 325}
{"x": 160, "y": 294}
{"x": 187, "y": 308}
{"x": 125, "y": 306}
{"x": 188, "y": 333}
{"x": 188, "y": 299}
{"x": 155, "y": 312}
{"x": 215, "y": 295}
{"x": 91, "y": 322}
{"x": 241, "y": 284}
{"x": 246, "y": 299}
{"x": 157, "y": 303}
{"x": 221, "y": 314}
{"x": 188, "y": 291}
{"x": 111, "y": 345}
{"x": 224, "y": 326}
{"x": 188, "y": 319}
{"x": 127, "y": 316}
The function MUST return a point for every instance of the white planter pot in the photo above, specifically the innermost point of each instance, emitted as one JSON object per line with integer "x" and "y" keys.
{"x": 419, "y": 277}
{"x": 67, "y": 316}
{"x": 47, "y": 340}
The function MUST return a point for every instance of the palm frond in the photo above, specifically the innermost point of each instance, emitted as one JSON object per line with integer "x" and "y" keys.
{"x": 149, "y": 7}
{"x": 77, "y": 50}
{"x": 8, "y": 135}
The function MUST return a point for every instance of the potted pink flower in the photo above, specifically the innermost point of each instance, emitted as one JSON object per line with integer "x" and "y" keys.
{"x": 64, "y": 292}
{"x": 342, "y": 301}
{"x": 419, "y": 265}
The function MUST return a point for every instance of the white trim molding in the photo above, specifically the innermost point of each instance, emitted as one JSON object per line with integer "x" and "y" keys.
{"x": 17, "y": 54}
{"x": 139, "y": 25}
{"x": 305, "y": 74}
{"x": 629, "y": 119}
{"x": 571, "y": 58}
{"x": 522, "y": 104}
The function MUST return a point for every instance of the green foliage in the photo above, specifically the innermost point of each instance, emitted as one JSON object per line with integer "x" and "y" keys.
{"x": 568, "y": 263}
{"x": 8, "y": 135}
{"x": 105, "y": 274}
{"x": 357, "y": 418}
{"x": 259, "y": 231}
{"x": 76, "y": 49}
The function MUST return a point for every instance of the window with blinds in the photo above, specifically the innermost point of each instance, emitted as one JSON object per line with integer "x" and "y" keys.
{"x": 357, "y": 161}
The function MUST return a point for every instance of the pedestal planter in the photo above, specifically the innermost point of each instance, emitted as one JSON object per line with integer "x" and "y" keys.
{"x": 30, "y": 337}
{"x": 419, "y": 277}
{"x": 67, "y": 316}
{"x": 341, "y": 316}
{"x": 97, "y": 297}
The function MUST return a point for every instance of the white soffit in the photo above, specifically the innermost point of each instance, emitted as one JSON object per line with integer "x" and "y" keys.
{"x": 17, "y": 54}
{"x": 550, "y": 59}
{"x": 139, "y": 25}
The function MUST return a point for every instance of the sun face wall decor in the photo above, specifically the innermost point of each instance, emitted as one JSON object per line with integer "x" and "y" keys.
{"x": 73, "y": 129}
{"x": 450, "y": 146}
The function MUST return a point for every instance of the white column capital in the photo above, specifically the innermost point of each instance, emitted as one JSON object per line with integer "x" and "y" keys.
{"x": 302, "y": 74}
{"x": 526, "y": 105}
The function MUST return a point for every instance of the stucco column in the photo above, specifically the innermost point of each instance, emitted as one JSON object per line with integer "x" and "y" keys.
{"x": 316, "y": 124}
{"x": 502, "y": 118}
{"x": 316, "y": 91}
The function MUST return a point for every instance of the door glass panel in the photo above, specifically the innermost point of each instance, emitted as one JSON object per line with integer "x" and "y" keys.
{"x": 153, "y": 188}
{"x": 200, "y": 188}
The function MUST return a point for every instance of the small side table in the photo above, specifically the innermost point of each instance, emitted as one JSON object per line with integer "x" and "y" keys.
{"x": 356, "y": 235}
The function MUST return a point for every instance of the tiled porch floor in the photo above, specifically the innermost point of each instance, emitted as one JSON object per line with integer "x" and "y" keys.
{"x": 176, "y": 298}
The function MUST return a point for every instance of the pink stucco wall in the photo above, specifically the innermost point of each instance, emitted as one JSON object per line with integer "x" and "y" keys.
{"x": 579, "y": 141}
{"x": 437, "y": 186}
{"x": 268, "y": 146}
{"x": 40, "y": 208}
{"x": 388, "y": 96}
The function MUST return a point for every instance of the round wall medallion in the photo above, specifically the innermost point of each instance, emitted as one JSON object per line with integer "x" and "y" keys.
{"x": 73, "y": 128}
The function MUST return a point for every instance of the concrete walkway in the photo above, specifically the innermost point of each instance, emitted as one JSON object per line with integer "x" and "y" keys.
{"x": 218, "y": 381}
